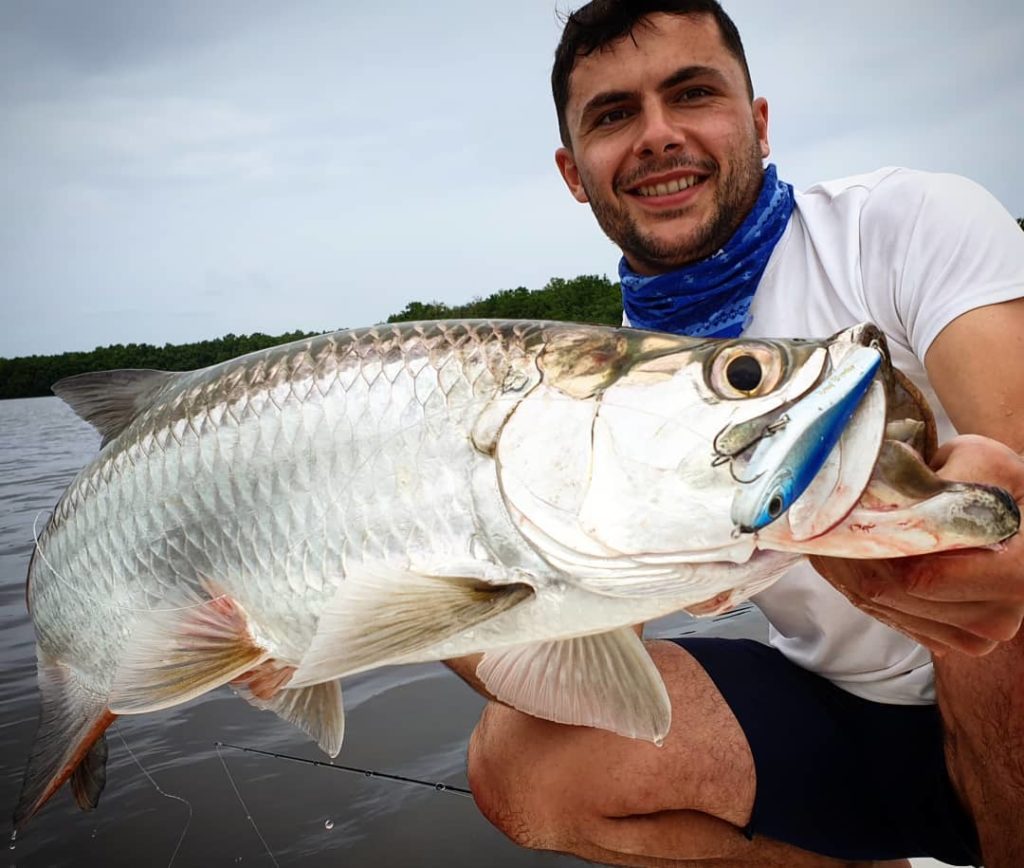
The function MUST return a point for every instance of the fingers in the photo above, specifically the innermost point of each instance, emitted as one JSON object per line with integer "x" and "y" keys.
{"x": 943, "y": 602}
{"x": 969, "y": 575}
{"x": 955, "y": 578}
{"x": 992, "y": 622}
{"x": 966, "y": 601}
{"x": 937, "y": 637}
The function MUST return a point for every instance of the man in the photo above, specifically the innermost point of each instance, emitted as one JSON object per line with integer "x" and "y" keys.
{"x": 825, "y": 750}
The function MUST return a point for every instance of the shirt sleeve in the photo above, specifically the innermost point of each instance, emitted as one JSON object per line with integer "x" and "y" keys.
{"x": 934, "y": 246}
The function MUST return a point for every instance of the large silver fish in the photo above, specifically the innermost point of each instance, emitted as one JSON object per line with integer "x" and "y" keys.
{"x": 421, "y": 491}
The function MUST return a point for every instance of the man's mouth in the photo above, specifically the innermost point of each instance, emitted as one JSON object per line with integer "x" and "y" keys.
{"x": 667, "y": 187}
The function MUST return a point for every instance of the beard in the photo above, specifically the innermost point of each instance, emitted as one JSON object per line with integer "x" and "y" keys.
{"x": 735, "y": 194}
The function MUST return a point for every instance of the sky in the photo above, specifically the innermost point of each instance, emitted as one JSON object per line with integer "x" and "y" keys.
{"x": 175, "y": 171}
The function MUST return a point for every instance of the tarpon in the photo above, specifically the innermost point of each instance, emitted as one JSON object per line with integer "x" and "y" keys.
{"x": 422, "y": 491}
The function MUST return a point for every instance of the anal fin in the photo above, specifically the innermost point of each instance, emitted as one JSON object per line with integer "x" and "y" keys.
{"x": 315, "y": 709}
{"x": 71, "y": 723}
{"x": 90, "y": 776}
{"x": 382, "y": 613}
{"x": 174, "y": 655}
{"x": 607, "y": 681}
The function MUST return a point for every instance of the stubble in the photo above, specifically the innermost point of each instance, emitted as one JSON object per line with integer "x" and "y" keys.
{"x": 735, "y": 194}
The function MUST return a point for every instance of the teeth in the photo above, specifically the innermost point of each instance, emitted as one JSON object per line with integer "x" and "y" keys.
{"x": 670, "y": 187}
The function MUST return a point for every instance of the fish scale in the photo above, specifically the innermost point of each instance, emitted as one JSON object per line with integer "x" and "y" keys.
{"x": 410, "y": 492}
{"x": 176, "y": 468}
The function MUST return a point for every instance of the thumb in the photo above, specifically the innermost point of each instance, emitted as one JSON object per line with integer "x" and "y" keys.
{"x": 972, "y": 458}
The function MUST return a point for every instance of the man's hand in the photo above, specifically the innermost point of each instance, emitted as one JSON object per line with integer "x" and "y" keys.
{"x": 967, "y": 600}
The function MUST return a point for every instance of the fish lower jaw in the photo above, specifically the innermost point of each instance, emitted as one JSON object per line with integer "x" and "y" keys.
{"x": 963, "y": 516}
{"x": 906, "y": 510}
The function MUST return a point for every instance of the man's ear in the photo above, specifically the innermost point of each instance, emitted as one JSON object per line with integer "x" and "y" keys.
{"x": 760, "y": 110}
{"x": 570, "y": 174}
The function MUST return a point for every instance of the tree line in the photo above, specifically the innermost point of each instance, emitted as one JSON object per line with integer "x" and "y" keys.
{"x": 588, "y": 298}
{"x": 32, "y": 376}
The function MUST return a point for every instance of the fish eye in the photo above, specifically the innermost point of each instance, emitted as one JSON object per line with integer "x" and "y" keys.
{"x": 746, "y": 370}
{"x": 775, "y": 506}
{"x": 743, "y": 373}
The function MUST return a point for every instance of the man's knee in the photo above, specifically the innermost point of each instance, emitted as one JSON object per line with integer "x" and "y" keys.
{"x": 549, "y": 786}
{"x": 506, "y": 786}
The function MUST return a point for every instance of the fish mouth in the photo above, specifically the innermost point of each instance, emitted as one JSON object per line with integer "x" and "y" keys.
{"x": 796, "y": 445}
{"x": 1006, "y": 499}
{"x": 777, "y": 457}
{"x": 900, "y": 506}
{"x": 906, "y": 509}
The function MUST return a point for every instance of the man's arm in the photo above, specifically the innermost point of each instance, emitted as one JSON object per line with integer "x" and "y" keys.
{"x": 964, "y": 601}
{"x": 970, "y": 601}
{"x": 976, "y": 365}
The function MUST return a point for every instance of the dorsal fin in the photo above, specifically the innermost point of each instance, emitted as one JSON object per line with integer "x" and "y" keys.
{"x": 109, "y": 400}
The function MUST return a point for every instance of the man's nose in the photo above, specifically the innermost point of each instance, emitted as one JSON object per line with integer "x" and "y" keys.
{"x": 658, "y": 134}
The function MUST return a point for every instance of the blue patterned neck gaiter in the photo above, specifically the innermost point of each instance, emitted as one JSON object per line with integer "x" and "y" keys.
{"x": 711, "y": 298}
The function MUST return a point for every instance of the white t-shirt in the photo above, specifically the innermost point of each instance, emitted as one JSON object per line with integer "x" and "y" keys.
{"x": 909, "y": 251}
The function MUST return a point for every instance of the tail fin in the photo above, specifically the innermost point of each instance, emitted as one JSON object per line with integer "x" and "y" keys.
{"x": 69, "y": 743}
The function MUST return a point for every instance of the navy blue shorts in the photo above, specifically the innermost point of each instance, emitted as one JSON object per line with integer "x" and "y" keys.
{"x": 837, "y": 774}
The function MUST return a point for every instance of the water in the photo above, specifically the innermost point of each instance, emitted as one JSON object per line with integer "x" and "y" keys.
{"x": 413, "y": 721}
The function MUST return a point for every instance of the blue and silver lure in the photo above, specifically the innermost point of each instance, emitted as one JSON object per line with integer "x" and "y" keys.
{"x": 784, "y": 463}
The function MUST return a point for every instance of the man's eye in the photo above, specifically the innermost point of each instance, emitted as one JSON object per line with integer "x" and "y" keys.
{"x": 612, "y": 117}
{"x": 693, "y": 93}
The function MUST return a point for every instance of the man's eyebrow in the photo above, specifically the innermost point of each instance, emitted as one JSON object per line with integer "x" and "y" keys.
{"x": 681, "y": 75}
{"x": 688, "y": 73}
{"x": 608, "y": 97}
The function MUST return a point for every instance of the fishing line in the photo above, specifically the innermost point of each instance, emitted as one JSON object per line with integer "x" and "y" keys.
{"x": 156, "y": 786}
{"x": 366, "y": 773}
{"x": 245, "y": 807}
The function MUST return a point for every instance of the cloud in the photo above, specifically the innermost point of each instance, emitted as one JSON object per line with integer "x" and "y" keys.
{"x": 192, "y": 168}
{"x": 94, "y": 38}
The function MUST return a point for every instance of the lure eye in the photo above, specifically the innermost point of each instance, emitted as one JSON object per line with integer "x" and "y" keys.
{"x": 746, "y": 370}
{"x": 775, "y": 506}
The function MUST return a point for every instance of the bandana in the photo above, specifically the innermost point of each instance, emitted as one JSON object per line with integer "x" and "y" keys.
{"x": 711, "y": 298}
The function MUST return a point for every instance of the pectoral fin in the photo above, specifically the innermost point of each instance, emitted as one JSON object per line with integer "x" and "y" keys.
{"x": 381, "y": 613}
{"x": 177, "y": 654}
{"x": 606, "y": 681}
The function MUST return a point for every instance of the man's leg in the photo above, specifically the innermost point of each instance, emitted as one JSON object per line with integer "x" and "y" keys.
{"x": 619, "y": 801}
{"x": 982, "y": 705}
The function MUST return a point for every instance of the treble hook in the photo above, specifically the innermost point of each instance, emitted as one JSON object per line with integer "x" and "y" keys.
{"x": 726, "y": 455}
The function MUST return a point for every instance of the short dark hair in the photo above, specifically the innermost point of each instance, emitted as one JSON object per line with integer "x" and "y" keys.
{"x": 601, "y": 22}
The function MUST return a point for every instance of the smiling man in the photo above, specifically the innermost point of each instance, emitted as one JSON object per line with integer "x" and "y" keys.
{"x": 665, "y": 199}
{"x": 828, "y": 747}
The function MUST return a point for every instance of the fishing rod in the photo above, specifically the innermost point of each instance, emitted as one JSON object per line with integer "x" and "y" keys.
{"x": 366, "y": 773}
